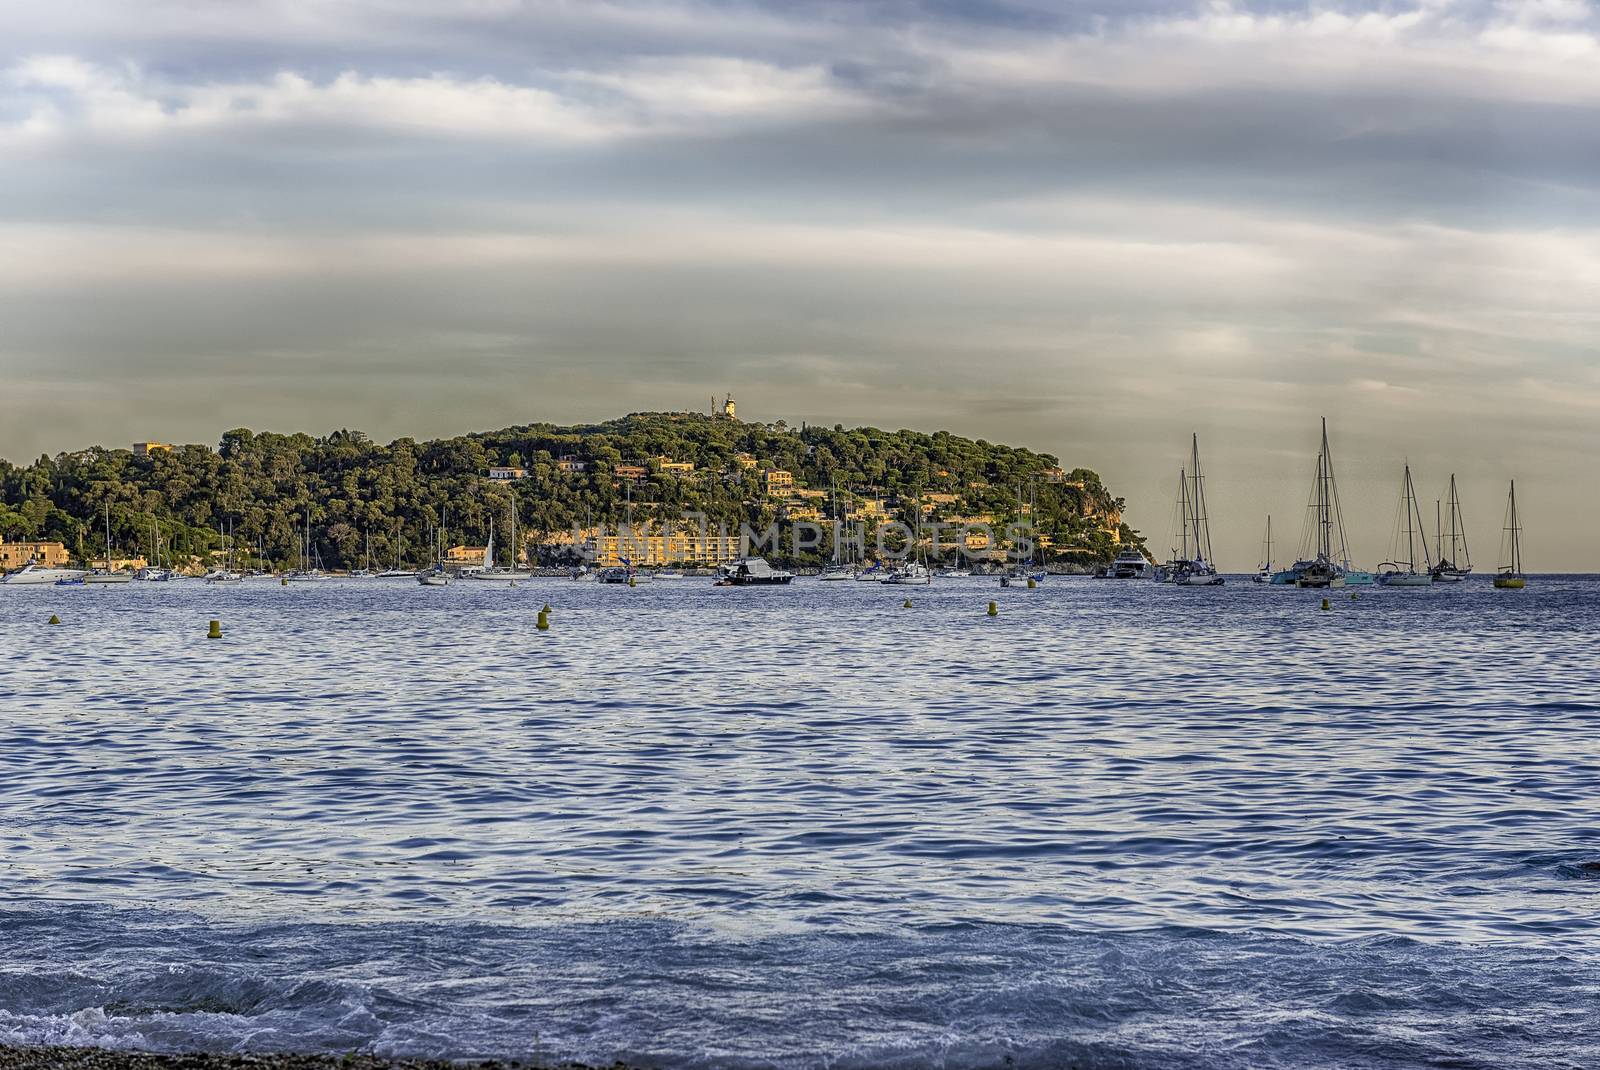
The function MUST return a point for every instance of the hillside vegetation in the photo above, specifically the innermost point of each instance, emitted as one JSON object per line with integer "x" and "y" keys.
{"x": 263, "y": 484}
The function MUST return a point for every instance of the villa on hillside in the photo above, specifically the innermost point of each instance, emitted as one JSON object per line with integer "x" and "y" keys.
{"x": 14, "y": 555}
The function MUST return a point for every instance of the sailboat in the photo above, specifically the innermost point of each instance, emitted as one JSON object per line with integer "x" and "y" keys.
{"x": 438, "y": 575}
{"x": 107, "y": 575}
{"x": 365, "y": 571}
{"x": 226, "y": 573}
{"x": 1455, "y": 564}
{"x": 507, "y": 575}
{"x": 153, "y": 572}
{"x": 396, "y": 571}
{"x": 1026, "y": 572}
{"x": 1329, "y": 563}
{"x": 912, "y": 572}
{"x": 1196, "y": 570}
{"x": 838, "y": 568}
{"x": 1511, "y": 576}
{"x": 1405, "y": 573}
{"x": 308, "y": 569}
{"x": 1264, "y": 573}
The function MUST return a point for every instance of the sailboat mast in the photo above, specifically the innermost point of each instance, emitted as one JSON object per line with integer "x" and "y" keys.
{"x": 1183, "y": 513}
{"x": 1516, "y": 534}
{"x": 1202, "y": 521}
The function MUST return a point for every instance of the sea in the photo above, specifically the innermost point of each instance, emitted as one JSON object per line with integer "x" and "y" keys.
{"x": 1115, "y": 825}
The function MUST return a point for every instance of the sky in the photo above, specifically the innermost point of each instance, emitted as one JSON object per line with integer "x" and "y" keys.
{"x": 1089, "y": 228}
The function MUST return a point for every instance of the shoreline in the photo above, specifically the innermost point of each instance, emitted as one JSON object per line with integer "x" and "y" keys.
{"x": 64, "y": 1057}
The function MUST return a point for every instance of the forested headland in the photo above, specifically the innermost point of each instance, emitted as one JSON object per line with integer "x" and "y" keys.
{"x": 261, "y": 486}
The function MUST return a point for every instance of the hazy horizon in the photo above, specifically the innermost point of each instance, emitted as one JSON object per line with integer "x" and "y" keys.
{"x": 1088, "y": 229}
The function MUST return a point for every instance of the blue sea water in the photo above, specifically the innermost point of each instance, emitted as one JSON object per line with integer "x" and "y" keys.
{"x": 1119, "y": 825}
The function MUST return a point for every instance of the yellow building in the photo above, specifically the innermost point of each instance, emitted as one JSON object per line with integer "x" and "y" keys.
{"x": 634, "y": 472}
{"x": 671, "y": 548}
{"x": 569, "y": 463}
{"x": 465, "y": 555}
{"x": 16, "y": 554}
{"x": 682, "y": 468}
{"x": 779, "y": 481}
{"x": 744, "y": 460}
{"x": 871, "y": 509}
{"x": 147, "y": 448}
{"x": 120, "y": 564}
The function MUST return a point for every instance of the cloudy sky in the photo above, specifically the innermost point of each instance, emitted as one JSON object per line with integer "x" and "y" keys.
{"x": 1085, "y": 227}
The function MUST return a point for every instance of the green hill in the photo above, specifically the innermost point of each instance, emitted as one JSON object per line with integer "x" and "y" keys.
{"x": 263, "y": 484}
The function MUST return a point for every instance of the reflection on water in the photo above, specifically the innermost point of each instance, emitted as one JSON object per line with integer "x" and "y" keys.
{"x": 732, "y": 807}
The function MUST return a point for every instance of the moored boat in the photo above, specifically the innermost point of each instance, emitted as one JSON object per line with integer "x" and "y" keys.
{"x": 1454, "y": 559}
{"x": 909, "y": 574}
{"x": 751, "y": 572}
{"x": 1128, "y": 565}
{"x": 1510, "y": 576}
{"x": 1405, "y": 573}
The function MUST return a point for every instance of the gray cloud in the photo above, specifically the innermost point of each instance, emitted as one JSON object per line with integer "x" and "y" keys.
{"x": 1088, "y": 228}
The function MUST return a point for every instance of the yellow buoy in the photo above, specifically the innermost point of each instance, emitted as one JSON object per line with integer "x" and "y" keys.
{"x": 1032, "y": 583}
{"x": 546, "y": 608}
{"x": 54, "y": 619}
{"x": 283, "y": 581}
{"x": 632, "y": 582}
{"x": 994, "y": 609}
{"x": 544, "y": 620}
{"x": 907, "y": 604}
{"x": 1326, "y": 604}
{"x": 216, "y": 630}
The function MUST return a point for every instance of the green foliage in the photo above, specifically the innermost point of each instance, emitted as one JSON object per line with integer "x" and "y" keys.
{"x": 262, "y": 485}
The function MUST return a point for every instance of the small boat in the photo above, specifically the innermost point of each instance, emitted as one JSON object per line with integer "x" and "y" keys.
{"x": 224, "y": 575}
{"x": 1405, "y": 573}
{"x": 751, "y": 572}
{"x": 909, "y": 574}
{"x": 837, "y": 571}
{"x": 1264, "y": 574}
{"x": 616, "y": 574}
{"x": 669, "y": 575}
{"x": 1510, "y": 576}
{"x": 309, "y": 559}
{"x": 953, "y": 573}
{"x": 871, "y": 574}
{"x": 1021, "y": 577}
{"x": 437, "y": 576}
{"x": 584, "y": 574}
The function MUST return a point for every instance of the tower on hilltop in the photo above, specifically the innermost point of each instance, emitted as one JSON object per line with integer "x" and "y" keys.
{"x": 728, "y": 408}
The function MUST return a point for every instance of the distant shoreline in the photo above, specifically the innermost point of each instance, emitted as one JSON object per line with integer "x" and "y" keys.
{"x": 76, "y": 1058}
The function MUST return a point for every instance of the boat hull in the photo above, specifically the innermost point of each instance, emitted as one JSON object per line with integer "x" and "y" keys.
{"x": 1406, "y": 579}
{"x": 1510, "y": 583}
{"x": 31, "y": 577}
